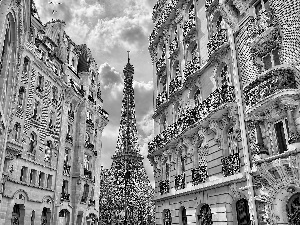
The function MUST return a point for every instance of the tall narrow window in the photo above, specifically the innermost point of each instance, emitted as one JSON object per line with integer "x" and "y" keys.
{"x": 86, "y": 162}
{"x": 41, "y": 179}
{"x": 167, "y": 171}
{"x": 23, "y": 176}
{"x": 197, "y": 97}
{"x": 183, "y": 216}
{"x": 21, "y": 96}
{"x": 26, "y": 66}
{"x": 49, "y": 181}
{"x": 36, "y": 110}
{"x": 182, "y": 164}
{"x": 243, "y": 215}
{"x": 281, "y": 129}
{"x": 65, "y": 187}
{"x": 40, "y": 83}
{"x": 33, "y": 142}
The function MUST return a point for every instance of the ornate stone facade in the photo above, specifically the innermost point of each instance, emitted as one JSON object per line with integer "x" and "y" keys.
{"x": 51, "y": 122}
{"x": 231, "y": 111}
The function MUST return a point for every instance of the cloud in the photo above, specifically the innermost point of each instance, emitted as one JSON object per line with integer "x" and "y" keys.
{"x": 109, "y": 76}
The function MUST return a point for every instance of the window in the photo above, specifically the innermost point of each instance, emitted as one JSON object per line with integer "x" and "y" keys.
{"x": 23, "y": 176}
{"x": 26, "y": 66}
{"x": 205, "y": 215}
{"x": 73, "y": 62}
{"x": 86, "y": 161}
{"x": 66, "y": 157}
{"x": 40, "y": 83}
{"x": 36, "y": 110}
{"x": 54, "y": 94}
{"x": 65, "y": 187}
{"x": 16, "y": 131}
{"x": 33, "y": 174}
{"x": 51, "y": 119}
{"x": 41, "y": 179}
{"x": 49, "y": 181}
{"x": 48, "y": 151}
{"x": 271, "y": 59}
{"x": 167, "y": 219}
{"x": 197, "y": 97}
{"x": 33, "y": 142}
{"x": 182, "y": 164}
{"x": 231, "y": 141}
{"x": 183, "y": 216}
{"x": 167, "y": 171}
{"x": 242, "y": 209}
{"x": 85, "y": 193}
{"x": 163, "y": 123}
{"x": 281, "y": 129}
{"x": 32, "y": 217}
{"x": 21, "y": 96}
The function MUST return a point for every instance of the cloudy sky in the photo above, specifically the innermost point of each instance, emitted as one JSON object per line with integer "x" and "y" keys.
{"x": 110, "y": 28}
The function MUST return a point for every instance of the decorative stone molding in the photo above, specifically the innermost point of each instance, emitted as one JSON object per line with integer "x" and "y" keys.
{"x": 235, "y": 193}
{"x": 190, "y": 148}
{"x": 202, "y": 132}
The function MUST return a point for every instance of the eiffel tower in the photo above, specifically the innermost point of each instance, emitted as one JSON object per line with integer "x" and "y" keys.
{"x": 126, "y": 192}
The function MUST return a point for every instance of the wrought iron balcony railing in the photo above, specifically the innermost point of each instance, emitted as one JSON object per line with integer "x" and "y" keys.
{"x": 180, "y": 181}
{"x": 175, "y": 84}
{"x": 275, "y": 79}
{"x": 174, "y": 47}
{"x": 161, "y": 64}
{"x": 217, "y": 40}
{"x": 66, "y": 169}
{"x": 192, "y": 66}
{"x": 161, "y": 98}
{"x": 65, "y": 197}
{"x": 231, "y": 164}
{"x": 189, "y": 26}
{"x": 222, "y": 95}
{"x": 199, "y": 175}
{"x": 164, "y": 187}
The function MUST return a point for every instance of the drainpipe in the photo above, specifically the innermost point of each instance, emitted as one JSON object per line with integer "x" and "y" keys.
{"x": 249, "y": 187}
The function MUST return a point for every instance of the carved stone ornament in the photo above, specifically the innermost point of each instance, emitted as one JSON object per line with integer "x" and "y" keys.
{"x": 236, "y": 194}
{"x": 189, "y": 147}
{"x": 241, "y": 5}
{"x": 202, "y": 132}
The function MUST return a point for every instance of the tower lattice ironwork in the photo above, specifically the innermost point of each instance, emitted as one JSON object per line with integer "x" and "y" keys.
{"x": 126, "y": 192}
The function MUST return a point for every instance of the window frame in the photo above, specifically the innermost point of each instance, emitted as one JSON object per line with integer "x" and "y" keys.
{"x": 286, "y": 134}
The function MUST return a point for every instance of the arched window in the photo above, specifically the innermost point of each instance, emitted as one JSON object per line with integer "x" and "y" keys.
{"x": 205, "y": 216}
{"x": 293, "y": 209}
{"x": 40, "y": 83}
{"x": 242, "y": 209}
{"x": 33, "y": 142}
{"x": 167, "y": 219}
{"x": 51, "y": 119}
{"x": 21, "y": 96}
{"x": 54, "y": 95}
{"x": 16, "y": 131}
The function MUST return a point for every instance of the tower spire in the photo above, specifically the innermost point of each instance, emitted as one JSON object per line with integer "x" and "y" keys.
{"x": 127, "y": 140}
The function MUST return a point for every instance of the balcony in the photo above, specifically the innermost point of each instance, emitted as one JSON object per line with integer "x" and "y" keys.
{"x": 89, "y": 146}
{"x": 214, "y": 101}
{"x": 271, "y": 82}
{"x": 174, "y": 47}
{"x": 90, "y": 123}
{"x": 192, "y": 66}
{"x": 76, "y": 88}
{"x": 164, "y": 187}
{"x": 87, "y": 173}
{"x": 199, "y": 175}
{"x": 231, "y": 165}
{"x": 161, "y": 98}
{"x": 66, "y": 169}
{"x": 168, "y": 13}
{"x": 160, "y": 65}
{"x": 180, "y": 181}
{"x": 189, "y": 27}
{"x": 175, "y": 85}
{"x": 65, "y": 197}
{"x": 216, "y": 41}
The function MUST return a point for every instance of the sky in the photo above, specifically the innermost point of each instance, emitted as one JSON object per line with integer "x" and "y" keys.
{"x": 110, "y": 28}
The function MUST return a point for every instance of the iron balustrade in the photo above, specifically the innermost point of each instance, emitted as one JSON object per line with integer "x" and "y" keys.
{"x": 175, "y": 84}
{"x": 180, "y": 181}
{"x": 164, "y": 187}
{"x": 231, "y": 164}
{"x": 217, "y": 40}
{"x": 267, "y": 84}
{"x": 199, "y": 175}
{"x": 222, "y": 95}
{"x": 161, "y": 98}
